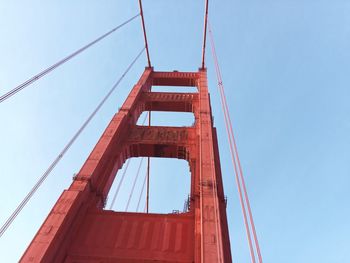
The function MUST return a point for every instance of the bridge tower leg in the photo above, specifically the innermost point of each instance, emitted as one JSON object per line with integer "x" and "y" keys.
{"x": 78, "y": 229}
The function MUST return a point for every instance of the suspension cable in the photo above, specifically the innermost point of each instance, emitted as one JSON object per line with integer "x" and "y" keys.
{"x": 122, "y": 178}
{"x": 241, "y": 199}
{"x": 235, "y": 157}
{"x": 119, "y": 185}
{"x": 133, "y": 186}
{"x": 144, "y": 33}
{"x": 148, "y": 167}
{"x": 242, "y": 180}
{"x": 145, "y": 208}
{"x": 205, "y": 32}
{"x": 232, "y": 151}
{"x": 143, "y": 188}
{"x": 62, "y": 153}
{"x": 59, "y": 63}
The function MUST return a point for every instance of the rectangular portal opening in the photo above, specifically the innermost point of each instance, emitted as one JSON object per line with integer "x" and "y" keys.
{"x": 184, "y": 89}
{"x": 167, "y": 118}
{"x": 170, "y": 186}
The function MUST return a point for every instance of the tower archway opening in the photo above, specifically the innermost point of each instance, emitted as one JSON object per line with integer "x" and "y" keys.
{"x": 185, "y": 89}
{"x": 167, "y": 118}
{"x": 170, "y": 186}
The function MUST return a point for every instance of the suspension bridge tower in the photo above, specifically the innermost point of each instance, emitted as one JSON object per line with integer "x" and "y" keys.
{"x": 78, "y": 229}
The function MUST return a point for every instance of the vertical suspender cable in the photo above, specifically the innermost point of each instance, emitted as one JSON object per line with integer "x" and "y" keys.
{"x": 244, "y": 185}
{"x": 59, "y": 63}
{"x": 149, "y": 113}
{"x": 144, "y": 33}
{"x": 148, "y": 169}
{"x": 122, "y": 177}
{"x": 133, "y": 186}
{"x": 246, "y": 223}
{"x": 234, "y": 153}
{"x": 145, "y": 208}
{"x": 119, "y": 185}
{"x": 216, "y": 208}
{"x": 241, "y": 199}
{"x": 62, "y": 153}
{"x": 143, "y": 188}
{"x": 236, "y": 170}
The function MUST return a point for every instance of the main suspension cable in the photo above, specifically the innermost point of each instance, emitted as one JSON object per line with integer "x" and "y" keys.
{"x": 62, "y": 153}
{"x": 205, "y": 32}
{"x": 144, "y": 33}
{"x": 59, "y": 63}
{"x": 235, "y": 158}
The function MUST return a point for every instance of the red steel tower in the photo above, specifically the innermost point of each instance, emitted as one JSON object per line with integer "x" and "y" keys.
{"x": 79, "y": 230}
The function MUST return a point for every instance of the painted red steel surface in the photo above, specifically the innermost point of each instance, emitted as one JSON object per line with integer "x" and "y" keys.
{"x": 79, "y": 230}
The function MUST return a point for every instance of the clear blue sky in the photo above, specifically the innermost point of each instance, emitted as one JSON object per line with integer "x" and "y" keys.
{"x": 286, "y": 70}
